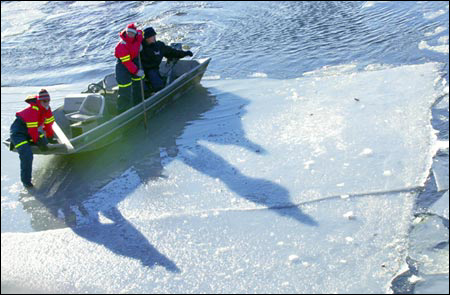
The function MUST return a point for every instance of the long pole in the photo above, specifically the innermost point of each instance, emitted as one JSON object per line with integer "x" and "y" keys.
{"x": 142, "y": 94}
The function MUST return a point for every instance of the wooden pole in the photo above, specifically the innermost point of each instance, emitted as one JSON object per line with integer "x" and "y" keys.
{"x": 142, "y": 93}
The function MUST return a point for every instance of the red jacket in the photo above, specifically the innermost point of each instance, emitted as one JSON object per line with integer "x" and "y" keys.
{"x": 128, "y": 49}
{"x": 34, "y": 116}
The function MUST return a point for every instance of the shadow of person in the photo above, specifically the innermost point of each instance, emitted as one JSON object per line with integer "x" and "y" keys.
{"x": 72, "y": 191}
{"x": 257, "y": 190}
{"x": 67, "y": 187}
{"x": 228, "y": 117}
{"x": 122, "y": 238}
{"x": 118, "y": 235}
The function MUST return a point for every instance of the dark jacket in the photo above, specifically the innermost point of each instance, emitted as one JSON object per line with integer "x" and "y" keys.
{"x": 152, "y": 55}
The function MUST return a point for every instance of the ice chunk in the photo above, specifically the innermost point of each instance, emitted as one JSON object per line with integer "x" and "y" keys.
{"x": 349, "y": 240}
{"x": 437, "y": 48}
{"x": 307, "y": 164}
{"x": 349, "y": 215}
{"x": 436, "y": 31}
{"x": 440, "y": 171}
{"x": 414, "y": 279}
{"x": 60, "y": 214}
{"x": 293, "y": 258}
{"x": 440, "y": 207}
{"x": 258, "y": 75}
{"x": 433, "y": 14}
{"x": 366, "y": 152}
{"x": 429, "y": 245}
{"x": 433, "y": 284}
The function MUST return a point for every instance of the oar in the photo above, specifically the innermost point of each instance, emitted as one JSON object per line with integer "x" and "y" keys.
{"x": 142, "y": 93}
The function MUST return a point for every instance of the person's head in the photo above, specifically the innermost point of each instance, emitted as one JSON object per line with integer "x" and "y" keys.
{"x": 131, "y": 30}
{"x": 149, "y": 35}
{"x": 44, "y": 98}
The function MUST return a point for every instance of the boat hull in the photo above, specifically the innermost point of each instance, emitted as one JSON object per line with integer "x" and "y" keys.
{"x": 116, "y": 127}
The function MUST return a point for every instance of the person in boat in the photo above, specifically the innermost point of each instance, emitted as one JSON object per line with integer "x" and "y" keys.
{"x": 24, "y": 131}
{"x": 152, "y": 55}
{"x": 128, "y": 74}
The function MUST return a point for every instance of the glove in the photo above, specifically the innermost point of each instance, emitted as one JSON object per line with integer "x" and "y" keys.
{"x": 140, "y": 73}
{"x": 188, "y": 53}
{"x": 43, "y": 147}
{"x": 42, "y": 144}
{"x": 52, "y": 140}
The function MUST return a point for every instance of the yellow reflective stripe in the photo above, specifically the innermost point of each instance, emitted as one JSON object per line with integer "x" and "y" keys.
{"x": 138, "y": 79}
{"x": 35, "y": 107}
{"x": 32, "y": 124}
{"x": 125, "y": 85}
{"x": 49, "y": 120}
{"x": 125, "y": 58}
{"x": 41, "y": 135}
{"x": 22, "y": 143}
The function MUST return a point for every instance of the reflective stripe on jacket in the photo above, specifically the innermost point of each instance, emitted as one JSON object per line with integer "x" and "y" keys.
{"x": 35, "y": 116}
{"x": 128, "y": 49}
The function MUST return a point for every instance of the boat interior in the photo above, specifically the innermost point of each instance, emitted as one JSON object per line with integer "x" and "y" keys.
{"x": 83, "y": 112}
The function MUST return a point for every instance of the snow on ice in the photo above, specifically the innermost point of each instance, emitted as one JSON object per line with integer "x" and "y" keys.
{"x": 254, "y": 197}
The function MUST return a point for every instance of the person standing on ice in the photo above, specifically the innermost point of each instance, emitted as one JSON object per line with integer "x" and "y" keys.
{"x": 152, "y": 55}
{"x": 128, "y": 74}
{"x": 24, "y": 131}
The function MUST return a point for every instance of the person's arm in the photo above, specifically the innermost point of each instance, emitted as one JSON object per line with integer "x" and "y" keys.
{"x": 170, "y": 52}
{"x": 125, "y": 57}
{"x": 48, "y": 124}
{"x": 31, "y": 121}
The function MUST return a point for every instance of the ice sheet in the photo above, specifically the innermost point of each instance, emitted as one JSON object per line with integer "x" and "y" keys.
{"x": 219, "y": 252}
{"x": 312, "y": 194}
{"x": 324, "y": 136}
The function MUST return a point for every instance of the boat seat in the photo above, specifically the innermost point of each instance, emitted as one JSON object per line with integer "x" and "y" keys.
{"x": 91, "y": 109}
{"x": 110, "y": 82}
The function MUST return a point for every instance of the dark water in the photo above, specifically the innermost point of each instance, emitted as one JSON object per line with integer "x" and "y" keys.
{"x": 65, "y": 42}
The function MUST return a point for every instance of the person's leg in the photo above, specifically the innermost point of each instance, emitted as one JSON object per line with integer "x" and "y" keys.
{"x": 26, "y": 164}
{"x": 137, "y": 93}
{"x": 20, "y": 139}
{"x": 155, "y": 80}
{"x": 125, "y": 88}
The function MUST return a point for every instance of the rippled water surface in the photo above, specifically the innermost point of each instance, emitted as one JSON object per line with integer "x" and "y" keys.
{"x": 75, "y": 40}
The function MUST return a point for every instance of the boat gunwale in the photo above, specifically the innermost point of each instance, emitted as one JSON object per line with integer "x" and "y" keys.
{"x": 152, "y": 100}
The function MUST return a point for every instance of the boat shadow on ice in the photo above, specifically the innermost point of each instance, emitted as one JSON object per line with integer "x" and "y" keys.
{"x": 81, "y": 191}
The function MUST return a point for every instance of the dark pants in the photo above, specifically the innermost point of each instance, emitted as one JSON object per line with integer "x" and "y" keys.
{"x": 129, "y": 88}
{"x": 155, "y": 79}
{"x": 20, "y": 139}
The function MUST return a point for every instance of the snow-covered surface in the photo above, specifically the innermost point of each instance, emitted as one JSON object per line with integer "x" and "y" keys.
{"x": 304, "y": 185}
